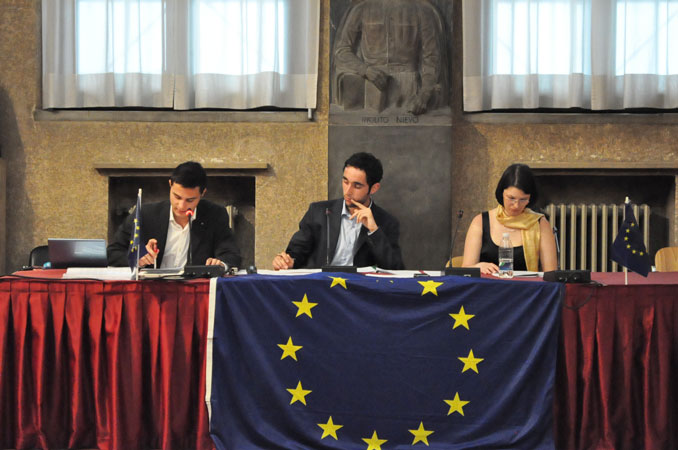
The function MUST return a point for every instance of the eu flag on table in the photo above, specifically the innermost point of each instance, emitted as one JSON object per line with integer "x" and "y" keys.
{"x": 628, "y": 248}
{"x": 135, "y": 246}
{"x": 347, "y": 361}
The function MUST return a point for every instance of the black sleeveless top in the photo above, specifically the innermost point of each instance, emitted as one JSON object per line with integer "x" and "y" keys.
{"x": 489, "y": 252}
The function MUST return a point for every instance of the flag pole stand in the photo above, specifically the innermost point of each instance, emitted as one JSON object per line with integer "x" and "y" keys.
{"x": 136, "y": 270}
{"x": 627, "y": 200}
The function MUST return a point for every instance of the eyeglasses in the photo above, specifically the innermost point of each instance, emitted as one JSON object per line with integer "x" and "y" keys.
{"x": 520, "y": 201}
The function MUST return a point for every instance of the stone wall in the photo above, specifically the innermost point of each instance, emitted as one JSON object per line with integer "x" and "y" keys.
{"x": 53, "y": 188}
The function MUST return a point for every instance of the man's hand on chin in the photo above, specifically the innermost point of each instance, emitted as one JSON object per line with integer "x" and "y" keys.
{"x": 363, "y": 215}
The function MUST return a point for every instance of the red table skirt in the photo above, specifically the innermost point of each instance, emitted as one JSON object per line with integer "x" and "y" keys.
{"x": 120, "y": 365}
{"x": 108, "y": 365}
{"x": 617, "y": 369}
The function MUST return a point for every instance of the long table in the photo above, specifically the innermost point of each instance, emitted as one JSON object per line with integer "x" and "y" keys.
{"x": 120, "y": 364}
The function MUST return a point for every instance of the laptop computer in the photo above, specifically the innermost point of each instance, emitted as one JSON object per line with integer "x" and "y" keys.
{"x": 64, "y": 253}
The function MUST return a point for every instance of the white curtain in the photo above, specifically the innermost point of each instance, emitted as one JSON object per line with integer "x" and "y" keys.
{"x": 180, "y": 54}
{"x": 593, "y": 54}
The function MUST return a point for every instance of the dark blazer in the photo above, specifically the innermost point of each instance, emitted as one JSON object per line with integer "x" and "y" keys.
{"x": 308, "y": 246}
{"x": 210, "y": 235}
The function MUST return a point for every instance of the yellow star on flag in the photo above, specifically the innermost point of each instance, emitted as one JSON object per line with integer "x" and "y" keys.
{"x": 289, "y": 349}
{"x": 304, "y": 307}
{"x": 456, "y": 405}
{"x": 374, "y": 443}
{"x": 298, "y": 394}
{"x": 430, "y": 286}
{"x": 338, "y": 281}
{"x": 470, "y": 362}
{"x": 420, "y": 434}
{"x": 329, "y": 429}
{"x": 461, "y": 319}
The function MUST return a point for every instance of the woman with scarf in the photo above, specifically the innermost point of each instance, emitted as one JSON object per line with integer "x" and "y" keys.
{"x": 531, "y": 235}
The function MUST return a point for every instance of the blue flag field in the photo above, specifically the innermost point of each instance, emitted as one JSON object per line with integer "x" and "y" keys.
{"x": 628, "y": 248}
{"x": 347, "y": 361}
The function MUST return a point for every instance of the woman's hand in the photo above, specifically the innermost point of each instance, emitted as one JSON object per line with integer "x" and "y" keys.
{"x": 487, "y": 268}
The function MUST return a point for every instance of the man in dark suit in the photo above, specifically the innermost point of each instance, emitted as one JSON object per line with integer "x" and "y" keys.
{"x": 164, "y": 226}
{"x": 361, "y": 233}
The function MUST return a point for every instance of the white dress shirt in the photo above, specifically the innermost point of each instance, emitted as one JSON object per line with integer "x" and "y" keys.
{"x": 176, "y": 247}
{"x": 348, "y": 237}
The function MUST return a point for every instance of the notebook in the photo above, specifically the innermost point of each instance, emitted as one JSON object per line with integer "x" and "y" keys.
{"x": 64, "y": 253}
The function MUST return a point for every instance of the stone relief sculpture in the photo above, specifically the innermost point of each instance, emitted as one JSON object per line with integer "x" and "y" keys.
{"x": 390, "y": 55}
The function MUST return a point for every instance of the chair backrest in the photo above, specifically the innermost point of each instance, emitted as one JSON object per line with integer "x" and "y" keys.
{"x": 39, "y": 256}
{"x": 666, "y": 259}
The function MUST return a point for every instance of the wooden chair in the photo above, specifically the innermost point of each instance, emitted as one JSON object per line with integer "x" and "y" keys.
{"x": 666, "y": 259}
{"x": 456, "y": 261}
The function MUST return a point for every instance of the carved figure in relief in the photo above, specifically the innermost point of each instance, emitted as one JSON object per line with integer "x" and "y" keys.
{"x": 389, "y": 54}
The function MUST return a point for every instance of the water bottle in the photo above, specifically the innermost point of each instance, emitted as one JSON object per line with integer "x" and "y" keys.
{"x": 506, "y": 257}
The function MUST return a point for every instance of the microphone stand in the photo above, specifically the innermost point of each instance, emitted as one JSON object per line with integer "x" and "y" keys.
{"x": 327, "y": 255}
{"x": 189, "y": 257}
{"x": 555, "y": 234}
{"x": 463, "y": 271}
{"x": 460, "y": 214}
{"x": 204, "y": 271}
{"x": 327, "y": 267}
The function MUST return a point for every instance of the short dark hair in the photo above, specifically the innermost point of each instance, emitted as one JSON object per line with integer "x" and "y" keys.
{"x": 520, "y": 176}
{"x": 369, "y": 164}
{"x": 190, "y": 174}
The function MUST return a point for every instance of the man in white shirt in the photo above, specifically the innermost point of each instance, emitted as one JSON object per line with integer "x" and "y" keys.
{"x": 165, "y": 230}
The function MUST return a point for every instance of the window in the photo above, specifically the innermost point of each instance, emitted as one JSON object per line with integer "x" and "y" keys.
{"x": 180, "y": 54}
{"x": 599, "y": 55}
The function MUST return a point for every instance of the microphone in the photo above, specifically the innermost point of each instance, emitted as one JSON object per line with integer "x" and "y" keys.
{"x": 466, "y": 272}
{"x": 191, "y": 271}
{"x": 189, "y": 257}
{"x": 555, "y": 234}
{"x": 327, "y": 267}
{"x": 327, "y": 255}
{"x": 460, "y": 214}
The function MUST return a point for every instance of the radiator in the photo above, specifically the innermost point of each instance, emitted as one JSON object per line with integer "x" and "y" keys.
{"x": 586, "y": 233}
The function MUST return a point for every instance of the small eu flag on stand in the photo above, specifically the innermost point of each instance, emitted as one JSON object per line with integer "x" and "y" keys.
{"x": 134, "y": 252}
{"x": 628, "y": 248}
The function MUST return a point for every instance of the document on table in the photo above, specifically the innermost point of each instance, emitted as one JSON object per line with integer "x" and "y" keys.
{"x": 98, "y": 273}
{"x": 282, "y": 272}
{"x": 368, "y": 270}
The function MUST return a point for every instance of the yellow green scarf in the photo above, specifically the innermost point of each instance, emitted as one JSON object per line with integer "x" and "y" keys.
{"x": 528, "y": 224}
